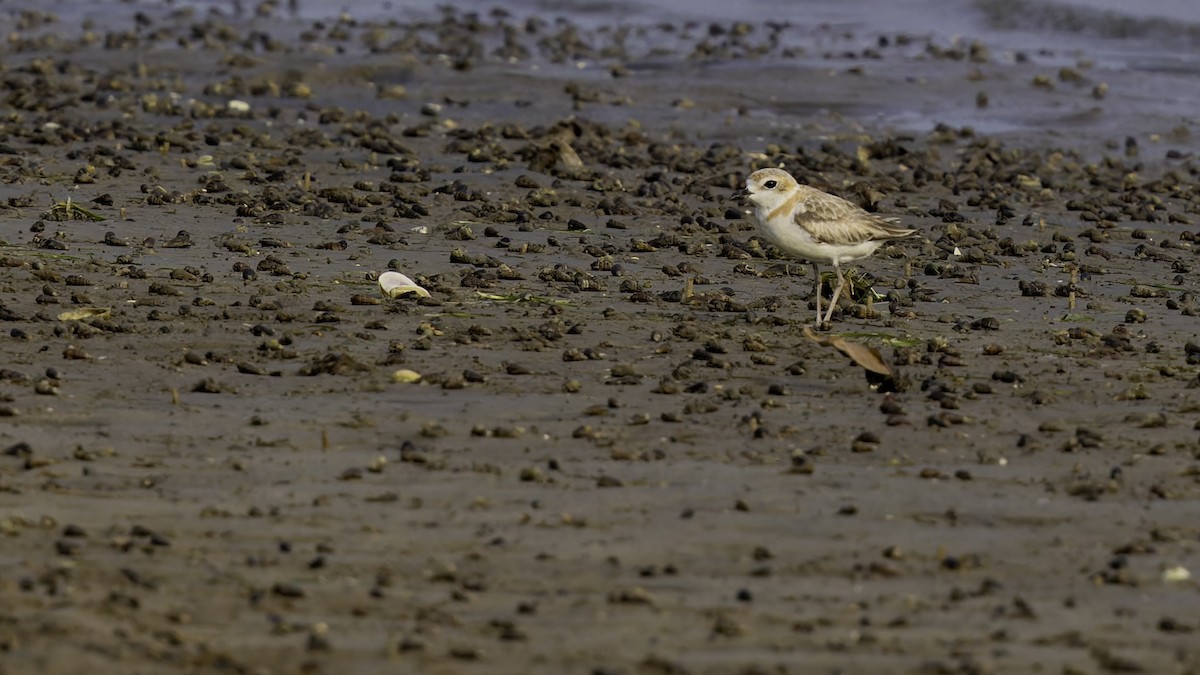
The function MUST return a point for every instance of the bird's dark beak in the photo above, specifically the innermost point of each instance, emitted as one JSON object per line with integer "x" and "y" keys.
{"x": 739, "y": 195}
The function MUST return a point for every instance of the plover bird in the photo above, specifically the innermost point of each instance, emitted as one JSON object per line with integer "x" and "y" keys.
{"x": 819, "y": 227}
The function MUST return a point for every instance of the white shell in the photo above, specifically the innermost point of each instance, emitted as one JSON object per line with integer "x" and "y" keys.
{"x": 406, "y": 376}
{"x": 396, "y": 285}
{"x": 85, "y": 313}
{"x": 1176, "y": 574}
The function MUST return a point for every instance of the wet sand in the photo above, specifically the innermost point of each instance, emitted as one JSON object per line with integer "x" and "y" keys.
{"x": 623, "y": 456}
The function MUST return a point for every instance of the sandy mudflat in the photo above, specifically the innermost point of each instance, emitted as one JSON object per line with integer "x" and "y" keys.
{"x": 623, "y": 456}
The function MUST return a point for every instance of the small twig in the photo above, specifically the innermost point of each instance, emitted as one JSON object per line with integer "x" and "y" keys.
{"x": 1071, "y": 295}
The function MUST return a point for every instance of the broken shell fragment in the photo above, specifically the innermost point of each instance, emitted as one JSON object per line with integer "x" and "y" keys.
{"x": 397, "y": 285}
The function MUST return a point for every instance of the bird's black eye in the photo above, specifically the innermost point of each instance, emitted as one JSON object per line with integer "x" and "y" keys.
{"x": 770, "y": 185}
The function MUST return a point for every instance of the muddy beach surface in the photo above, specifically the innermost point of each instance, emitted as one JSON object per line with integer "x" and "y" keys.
{"x": 623, "y": 455}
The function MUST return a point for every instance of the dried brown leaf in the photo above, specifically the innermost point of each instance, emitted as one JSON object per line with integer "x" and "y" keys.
{"x": 867, "y": 357}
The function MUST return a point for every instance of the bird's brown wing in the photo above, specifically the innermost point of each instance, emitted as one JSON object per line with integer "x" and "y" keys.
{"x": 833, "y": 220}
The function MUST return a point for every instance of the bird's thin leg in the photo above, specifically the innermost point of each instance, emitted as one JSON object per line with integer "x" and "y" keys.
{"x": 817, "y": 287}
{"x": 837, "y": 290}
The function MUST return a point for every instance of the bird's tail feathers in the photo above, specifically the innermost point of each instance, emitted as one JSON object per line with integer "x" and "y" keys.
{"x": 892, "y": 228}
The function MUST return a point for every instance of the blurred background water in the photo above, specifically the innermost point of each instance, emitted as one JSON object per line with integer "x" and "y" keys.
{"x": 1149, "y": 50}
{"x": 1148, "y": 34}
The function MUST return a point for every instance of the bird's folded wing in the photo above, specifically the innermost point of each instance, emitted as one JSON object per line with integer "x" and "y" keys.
{"x": 841, "y": 223}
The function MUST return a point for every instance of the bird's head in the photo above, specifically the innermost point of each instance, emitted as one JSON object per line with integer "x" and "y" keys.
{"x": 768, "y": 188}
